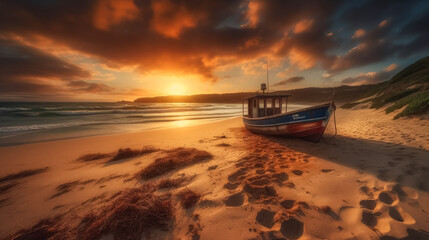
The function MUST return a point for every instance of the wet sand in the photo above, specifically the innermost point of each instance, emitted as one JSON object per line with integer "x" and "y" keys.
{"x": 369, "y": 182}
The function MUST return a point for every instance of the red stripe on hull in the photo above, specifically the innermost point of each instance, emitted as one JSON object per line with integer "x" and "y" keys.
{"x": 309, "y": 130}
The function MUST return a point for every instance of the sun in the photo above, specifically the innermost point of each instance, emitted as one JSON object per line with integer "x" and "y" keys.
{"x": 177, "y": 89}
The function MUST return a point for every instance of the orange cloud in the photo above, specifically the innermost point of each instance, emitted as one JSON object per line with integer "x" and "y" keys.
{"x": 301, "y": 59}
{"x": 359, "y": 33}
{"x": 171, "y": 19}
{"x": 303, "y": 25}
{"x": 252, "y": 14}
{"x": 111, "y": 12}
{"x": 391, "y": 67}
{"x": 384, "y": 23}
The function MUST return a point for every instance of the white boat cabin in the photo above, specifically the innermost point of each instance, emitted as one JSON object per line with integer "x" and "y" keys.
{"x": 264, "y": 105}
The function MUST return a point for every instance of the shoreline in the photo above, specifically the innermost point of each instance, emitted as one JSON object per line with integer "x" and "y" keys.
{"x": 205, "y": 121}
{"x": 328, "y": 181}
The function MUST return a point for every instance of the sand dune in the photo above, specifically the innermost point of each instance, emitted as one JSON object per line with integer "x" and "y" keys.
{"x": 218, "y": 181}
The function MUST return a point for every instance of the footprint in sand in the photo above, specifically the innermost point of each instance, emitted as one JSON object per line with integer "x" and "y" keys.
{"x": 271, "y": 235}
{"x": 368, "y": 204}
{"x": 287, "y": 204}
{"x": 231, "y": 186}
{"x": 292, "y": 228}
{"x": 327, "y": 170}
{"x": 280, "y": 177}
{"x": 387, "y": 197}
{"x": 235, "y": 200}
{"x": 399, "y": 214}
{"x": 394, "y": 213}
{"x": 238, "y": 175}
{"x": 369, "y": 219}
{"x": 265, "y": 218}
{"x": 297, "y": 172}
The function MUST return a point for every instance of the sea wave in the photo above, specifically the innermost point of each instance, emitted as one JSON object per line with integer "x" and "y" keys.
{"x": 97, "y": 112}
{"x": 147, "y": 119}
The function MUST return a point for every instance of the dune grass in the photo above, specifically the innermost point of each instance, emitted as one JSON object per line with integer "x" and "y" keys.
{"x": 409, "y": 87}
{"x": 389, "y": 97}
{"x": 174, "y": 159}
{"x": 416, "y": 104}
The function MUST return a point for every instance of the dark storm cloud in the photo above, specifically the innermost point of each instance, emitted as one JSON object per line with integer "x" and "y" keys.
{"x": 30, "y": 70}
{"x": 20, "y": 61}
{"x": 183, "y": 36}
{"x": 370, "y": 13}
{"x": 83, "y": 86}
{"x": 375, "y": 46}
{"x": 196, "y": 37}
{"x": 418, "y": 30}
{"x": 289, "y": 80}
{"x": 387, "y": 24}
{"x": 26, "y": 69}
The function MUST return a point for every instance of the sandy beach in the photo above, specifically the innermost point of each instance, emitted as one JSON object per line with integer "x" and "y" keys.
{"x": 369, "y": 182}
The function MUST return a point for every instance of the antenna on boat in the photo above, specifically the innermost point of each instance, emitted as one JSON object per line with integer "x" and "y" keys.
{"x": 268, "y": 81}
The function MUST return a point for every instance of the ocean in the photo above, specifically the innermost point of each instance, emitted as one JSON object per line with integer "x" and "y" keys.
{"x": 22, "y": 123}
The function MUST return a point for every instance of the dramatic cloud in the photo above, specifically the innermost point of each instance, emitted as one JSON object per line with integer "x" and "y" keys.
{"x": 289, "y": 80}
{"x": 371, "y": 77}
{"x": 111, "y": 12}
{"x": 375, "y": 46}
{"x": 27, "y": 69}
{"x": 200, "y": 38}
{"x": 359, "y": 33}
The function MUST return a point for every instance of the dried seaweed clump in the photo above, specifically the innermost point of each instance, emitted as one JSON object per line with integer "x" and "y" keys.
{"x": 133, "y": 213}
{"x": 171, "y": 183}
{"x": 175, "y": 159}
{"x": 124, "y": 153}
{"x": 188, "y": 198}
{"x": 44, "y": 229}
{"x": 23, "y": 174}
{"x": 93, "y": 156}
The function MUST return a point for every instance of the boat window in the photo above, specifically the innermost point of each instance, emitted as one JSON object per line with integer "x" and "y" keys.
{"x": 261, "y": 103}
{"x": 277, "y": 103}
{"x": 284, "y": 102}
{"x": 246, "y": 107}
{"x": 269, "y": 102}
{"x": 254, "y": 103}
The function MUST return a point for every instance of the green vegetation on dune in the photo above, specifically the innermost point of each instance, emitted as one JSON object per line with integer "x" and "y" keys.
{"x": 416, "y": 104}
{"x": 391, "y": 96}
{"x": 410, "y": 88}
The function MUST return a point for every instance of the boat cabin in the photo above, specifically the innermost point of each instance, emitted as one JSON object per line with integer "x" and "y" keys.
{"x": 264, "y": 105}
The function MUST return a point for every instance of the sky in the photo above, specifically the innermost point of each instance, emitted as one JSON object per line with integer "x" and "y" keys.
{"x": 108, "y": 50}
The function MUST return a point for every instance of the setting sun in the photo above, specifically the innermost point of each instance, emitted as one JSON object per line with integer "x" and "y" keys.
{"x": 176, "y": 89}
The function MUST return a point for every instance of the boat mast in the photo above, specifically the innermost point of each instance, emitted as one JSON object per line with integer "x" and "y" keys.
{"x": 268, "y": 81}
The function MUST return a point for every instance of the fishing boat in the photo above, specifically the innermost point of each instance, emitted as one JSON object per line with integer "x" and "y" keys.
{"x": 266, "y": 113}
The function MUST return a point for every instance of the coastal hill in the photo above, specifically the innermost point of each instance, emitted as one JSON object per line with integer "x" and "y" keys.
{"x": 407, "y": 90}
{"x": 343, "y": 94}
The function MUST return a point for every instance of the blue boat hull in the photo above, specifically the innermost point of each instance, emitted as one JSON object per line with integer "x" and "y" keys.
{"x": 308, "y": 123}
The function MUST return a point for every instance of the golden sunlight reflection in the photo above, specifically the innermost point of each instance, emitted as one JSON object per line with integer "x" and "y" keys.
{"x": 181, "y": 123}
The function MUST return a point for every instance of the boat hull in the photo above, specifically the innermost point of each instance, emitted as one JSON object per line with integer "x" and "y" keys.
{"x": 309, "y": 123}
